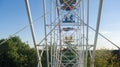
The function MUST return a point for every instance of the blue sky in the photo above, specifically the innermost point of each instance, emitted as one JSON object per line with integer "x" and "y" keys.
{"x": 13, "y": 17}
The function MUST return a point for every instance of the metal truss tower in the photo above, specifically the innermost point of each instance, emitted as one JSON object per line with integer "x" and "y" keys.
{"x": 66, "y": 34}
{"x": 67, "y": 38}
{"x": 66, "y": 41}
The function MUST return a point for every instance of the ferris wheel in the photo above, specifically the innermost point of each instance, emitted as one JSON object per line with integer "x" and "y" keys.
{"x": 66, "y": 41}
{"x": 66, "y": 33}
{"x": 66, "y": 36}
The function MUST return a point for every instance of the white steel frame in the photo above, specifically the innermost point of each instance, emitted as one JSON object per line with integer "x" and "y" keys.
{"x": 54, "y": 36}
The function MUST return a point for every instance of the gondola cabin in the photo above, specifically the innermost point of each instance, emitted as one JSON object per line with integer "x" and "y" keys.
{"x": 68, "y": 39}
{"x": 68, "y": 29}
{"x": 68, "y": 4}
{"x": 69, "y": 19}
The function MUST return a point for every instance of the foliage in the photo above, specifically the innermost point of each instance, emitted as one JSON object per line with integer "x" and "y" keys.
{"x": 15, "y": 53}
{"x": 102, "y": 56}
{"x": 105, "y": 58}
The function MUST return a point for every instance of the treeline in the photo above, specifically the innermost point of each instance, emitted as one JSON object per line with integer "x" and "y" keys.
{"x": 15, "y": 53}
{"x": 107, "y": 58}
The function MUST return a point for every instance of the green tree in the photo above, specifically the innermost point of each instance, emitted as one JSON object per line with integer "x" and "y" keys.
{"x": 105, "y": 58}
{"x": 15, "y": 53}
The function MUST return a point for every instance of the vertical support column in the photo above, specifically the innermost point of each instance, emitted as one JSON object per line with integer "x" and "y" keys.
{"x": 47, "y": 53}
{"x": 32, "y": 31}
{"x": 51, "y": 42}
{"x": 87, "y": 33}
{"x": 97, "y": 32}
{"x": 83, "y": 39}
{"x": 59, "y": 28}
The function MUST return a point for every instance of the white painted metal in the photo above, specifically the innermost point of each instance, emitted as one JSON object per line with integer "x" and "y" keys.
{"x": 97, "y": 31}
{"x": 32, "y": 31}
{"x": 79, "y": 46}
{"x": 60, "y": 49}
{"x": 66, "y": 44}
